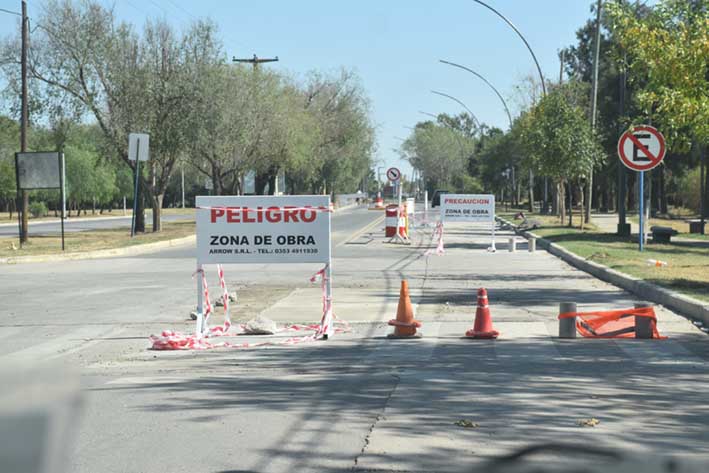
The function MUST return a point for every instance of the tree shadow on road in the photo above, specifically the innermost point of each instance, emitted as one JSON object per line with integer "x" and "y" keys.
{"x": 403, "y": 399}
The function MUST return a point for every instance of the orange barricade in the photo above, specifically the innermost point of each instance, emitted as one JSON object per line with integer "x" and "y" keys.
{"x": 612, "y": 323}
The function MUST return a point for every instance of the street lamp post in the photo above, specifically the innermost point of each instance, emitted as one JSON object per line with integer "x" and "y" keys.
{"x": 539, "y": 70}
{"x": 459, "y": 102}
{"x": 506, "y": 20}
{"x": 509, "y": 118}
{"x": 504, "y": 103}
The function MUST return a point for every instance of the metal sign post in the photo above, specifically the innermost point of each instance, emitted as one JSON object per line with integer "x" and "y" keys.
{"x": 138, "y": 147}
{"x": 394, "y": 176}
{"x": 136, "y": 193}
{"x": 641, "y": 149}
{"x": 641, "y": 209}
{"x": 62, "y": 180}
{"x": 19, "y": 199}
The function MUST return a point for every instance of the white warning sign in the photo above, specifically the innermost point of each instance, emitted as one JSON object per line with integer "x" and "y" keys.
{"x": 467, "y": 208}
{"x": 263, "y": 229}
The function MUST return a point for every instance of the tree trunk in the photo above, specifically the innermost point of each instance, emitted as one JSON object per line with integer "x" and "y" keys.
{"x": 157, "y": 212}
{"x": 531, "y": 191}
{"x": 583, "y": 203}
{"x": 571, "y": 204}
{"x": 631, "y": 194}
{"x": 663, "y": 192}
{"x": 561, "y": 200}
{"x": 260, "y": 181}
{"x": 706, "y": 183}
{"x": 654, "y": 196}
{"x": 217, "y": 181}
{"x": 140, "y": 214}
{"x": 272, "y": 183}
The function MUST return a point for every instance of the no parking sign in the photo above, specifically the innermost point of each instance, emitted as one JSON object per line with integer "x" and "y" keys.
{"x": 641, "y": 148}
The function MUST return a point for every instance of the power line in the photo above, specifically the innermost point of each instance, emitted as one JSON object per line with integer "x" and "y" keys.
{"x": 137, "y": 8}
{"x": 158, "y": 6}
{"x": 10, "y": 12}
{"x": 181, "y": 8}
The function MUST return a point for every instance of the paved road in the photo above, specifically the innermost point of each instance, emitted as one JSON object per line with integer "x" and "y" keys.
{"x": 358, "y": 402}
{"x": 82, "y": 225}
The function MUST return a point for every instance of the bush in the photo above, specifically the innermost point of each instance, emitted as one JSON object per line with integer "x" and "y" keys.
{"x": 38, "y": 209}
{"x": 466, "y": 184}
{"x": 688, "y": 190}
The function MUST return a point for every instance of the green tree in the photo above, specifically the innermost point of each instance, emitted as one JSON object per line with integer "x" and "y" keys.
{"x": 669, "y": 51}
{"x": 441, "y": 153}
{"x": 558, "y": 141}
{"x": 9, "y": 144}
{"x": 125, "y": 81}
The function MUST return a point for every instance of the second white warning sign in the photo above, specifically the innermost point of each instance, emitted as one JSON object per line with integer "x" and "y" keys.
{"x": 263, "y": 229}
{"x": 468, "y": 208}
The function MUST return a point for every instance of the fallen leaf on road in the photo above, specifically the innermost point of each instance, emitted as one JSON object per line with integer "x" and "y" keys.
{"x": 592, "y": 422}
{"x": 468, "y": 424}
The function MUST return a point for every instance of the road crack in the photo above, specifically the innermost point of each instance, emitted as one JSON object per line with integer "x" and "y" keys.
{"x": 379, "y": 416}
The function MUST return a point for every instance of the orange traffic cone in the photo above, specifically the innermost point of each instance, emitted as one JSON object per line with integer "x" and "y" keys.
{"x": 404, "y": 325}
{"x": 483, "y": 322}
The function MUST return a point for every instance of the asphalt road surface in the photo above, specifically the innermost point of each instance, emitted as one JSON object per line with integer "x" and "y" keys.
{"x": 359, "y": 401}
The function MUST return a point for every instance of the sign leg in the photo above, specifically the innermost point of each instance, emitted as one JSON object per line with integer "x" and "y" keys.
{"x": 18, "y": 198}
{"x": 62, "y": 192}
{"x": 641, "y": 209}
{"x": 329, "y": 319}
{"x": 492, "y": 247}
{"x": 199, "y": 326}
{"x": 136, "y": 188}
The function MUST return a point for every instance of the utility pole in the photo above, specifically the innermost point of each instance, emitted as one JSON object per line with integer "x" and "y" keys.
{"x": 594, "y": 105}
{"x": 623, "y": 228}
{"x": 182, "y": 185}
{"x": 259, "y": 186}
{"x": 24, "y": 119}
{"x": 255, "y": 61}
{"x": 558, "y": 203}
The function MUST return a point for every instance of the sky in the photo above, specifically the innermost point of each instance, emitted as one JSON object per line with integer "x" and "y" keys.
{"x": 393, "y": 45}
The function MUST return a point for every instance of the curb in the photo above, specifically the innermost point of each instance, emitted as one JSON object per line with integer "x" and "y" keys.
{"x": 685, "y": 305}
{"x": 108, "y": 253}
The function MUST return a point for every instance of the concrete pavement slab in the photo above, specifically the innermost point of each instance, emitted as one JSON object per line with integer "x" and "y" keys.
{"x": 360, "y": 401}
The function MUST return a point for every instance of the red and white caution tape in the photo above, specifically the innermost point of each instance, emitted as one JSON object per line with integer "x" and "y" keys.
{"x": 171, "y": 340}
{"x": 438, "y": 232}
{"x": 225, "y": 298}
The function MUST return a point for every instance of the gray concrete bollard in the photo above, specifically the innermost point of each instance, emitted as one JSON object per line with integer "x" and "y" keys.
{"x": 567, "y": 327}
{"x": 532, "y": 244}
{"x": 643, "y": 325}
{"x": 513, "y": 245}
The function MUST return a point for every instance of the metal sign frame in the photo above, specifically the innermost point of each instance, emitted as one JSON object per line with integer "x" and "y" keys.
{"x": 137, "y": 153}
{"x": 486, "y": 201}
{"x": 653, "y": 160}
{"x": 234, "y": 211}
{"x": 61, "y": 185}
